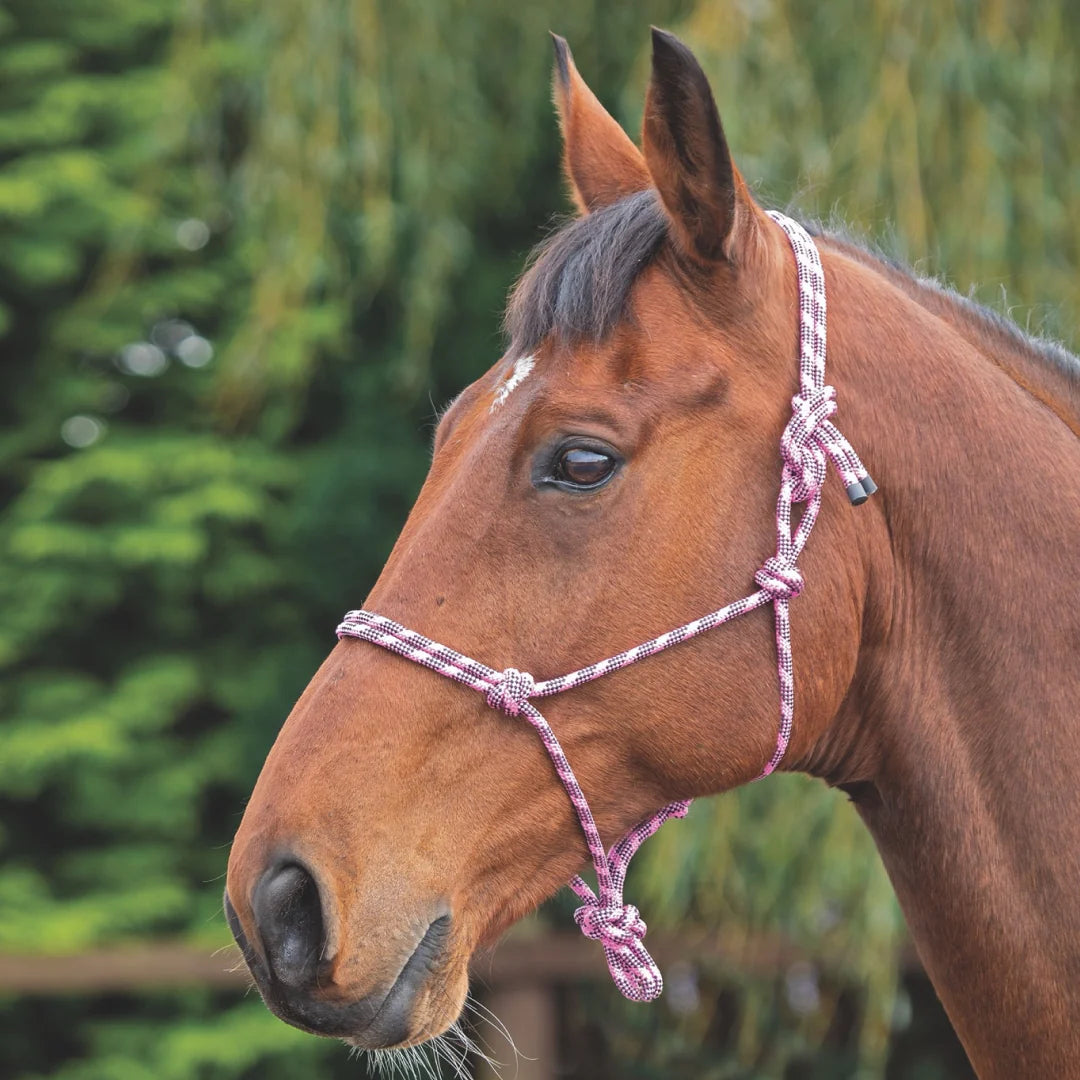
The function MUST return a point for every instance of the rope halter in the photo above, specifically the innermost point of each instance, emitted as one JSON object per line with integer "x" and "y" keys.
{"x": 809, "y": 442}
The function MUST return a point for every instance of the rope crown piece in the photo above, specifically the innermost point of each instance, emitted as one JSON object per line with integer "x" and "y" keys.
{"x": 809, "y": 442}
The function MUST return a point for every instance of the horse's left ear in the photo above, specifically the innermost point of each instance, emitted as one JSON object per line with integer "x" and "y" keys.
{"x": 711, "y": 212}
{"x": 600, "y": 160}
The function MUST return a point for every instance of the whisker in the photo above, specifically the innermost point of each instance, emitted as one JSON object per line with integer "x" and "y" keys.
{"x": 468, "y": 1048}
{"x": 448, "y": 1054}
{"x": 483, "y": 1013}
{"x": 471, "y": 1047}
{"x": 440, "y": 1048}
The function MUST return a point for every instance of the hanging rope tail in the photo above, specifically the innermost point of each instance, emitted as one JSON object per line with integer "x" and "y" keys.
{"x": 810, "y": 441}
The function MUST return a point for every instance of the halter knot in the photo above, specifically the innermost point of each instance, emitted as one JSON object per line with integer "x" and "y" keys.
{"x": 615, "y": 926}
{"x": 781, "y": 580}
{"x": 620, "y": 929}
{"x": 512, "y": 692}
{"x": 804, "y": 447}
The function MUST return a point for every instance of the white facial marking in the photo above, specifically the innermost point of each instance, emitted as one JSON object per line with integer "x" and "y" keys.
{"x": 520, "y": 373}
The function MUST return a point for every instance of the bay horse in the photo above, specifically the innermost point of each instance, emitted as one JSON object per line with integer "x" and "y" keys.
{"x": 615, "y": 475}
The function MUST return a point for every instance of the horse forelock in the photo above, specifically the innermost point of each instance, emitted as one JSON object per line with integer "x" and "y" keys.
{"x": 579, "y": 279}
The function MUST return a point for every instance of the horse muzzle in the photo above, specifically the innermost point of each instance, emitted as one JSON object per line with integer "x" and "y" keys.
{"x": 289, "y": 963}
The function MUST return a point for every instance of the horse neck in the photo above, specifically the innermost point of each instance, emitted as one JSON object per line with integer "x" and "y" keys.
{"x": 957, "y": 739}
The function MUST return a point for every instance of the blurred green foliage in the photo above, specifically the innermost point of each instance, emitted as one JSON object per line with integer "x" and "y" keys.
{"x": 244, "y": 250}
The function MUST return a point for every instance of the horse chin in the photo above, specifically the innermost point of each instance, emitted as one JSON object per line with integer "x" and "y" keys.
{"x": 435, "y": 1011}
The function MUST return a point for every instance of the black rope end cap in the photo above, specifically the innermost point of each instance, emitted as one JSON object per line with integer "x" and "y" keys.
{"x": 861, "y": 490}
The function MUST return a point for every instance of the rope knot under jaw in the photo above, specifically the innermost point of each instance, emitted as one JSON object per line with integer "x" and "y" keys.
{"x": 614, "y": 926}
{"x": 781, "y": 580}
{"x": 620, "y": 929}
{"x": 512, "y": 692}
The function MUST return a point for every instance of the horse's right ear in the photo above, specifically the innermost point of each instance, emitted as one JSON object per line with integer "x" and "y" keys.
{"x": 601, "y": 162}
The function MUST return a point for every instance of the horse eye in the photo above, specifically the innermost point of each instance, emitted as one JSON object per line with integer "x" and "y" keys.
{"x": 581, "y": 468}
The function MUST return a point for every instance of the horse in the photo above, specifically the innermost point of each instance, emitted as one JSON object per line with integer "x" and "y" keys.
{"x": 615, "y": 474}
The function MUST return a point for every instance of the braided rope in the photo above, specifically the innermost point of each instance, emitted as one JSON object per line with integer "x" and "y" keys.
{"x": 810, "y": 440}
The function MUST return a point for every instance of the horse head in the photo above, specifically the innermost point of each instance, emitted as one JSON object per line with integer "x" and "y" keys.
{"x": 613, "y": 475}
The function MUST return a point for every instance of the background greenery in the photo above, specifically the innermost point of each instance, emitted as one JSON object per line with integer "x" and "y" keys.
{"x": 245, "y": 249}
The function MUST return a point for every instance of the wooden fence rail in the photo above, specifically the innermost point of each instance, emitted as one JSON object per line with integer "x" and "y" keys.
{"x": 550, "y": 957}
{"x": 517, "y": 979}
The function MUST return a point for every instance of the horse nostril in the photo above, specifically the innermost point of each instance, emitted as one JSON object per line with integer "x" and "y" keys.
{"x": 288, "y": 913}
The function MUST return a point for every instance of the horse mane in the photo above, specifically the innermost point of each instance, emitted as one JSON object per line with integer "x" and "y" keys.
{"x": 1042, "y": 367}
{"x": 935, "y": 295}
{"x": 578, "y": 282}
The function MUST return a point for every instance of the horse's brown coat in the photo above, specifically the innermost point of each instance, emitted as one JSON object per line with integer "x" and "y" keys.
{"x": 935, "y": 644}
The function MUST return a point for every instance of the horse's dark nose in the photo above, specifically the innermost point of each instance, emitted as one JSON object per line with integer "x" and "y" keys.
{"x": 288, "y": 915}
{"x": 287, "y": 912}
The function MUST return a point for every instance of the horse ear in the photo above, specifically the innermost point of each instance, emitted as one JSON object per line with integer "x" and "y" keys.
{"x": 688, "y": 157}
{"x": 600, "y": 161}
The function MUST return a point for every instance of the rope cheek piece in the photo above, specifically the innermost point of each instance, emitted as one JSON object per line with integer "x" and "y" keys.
{"x": 809, "y": 442}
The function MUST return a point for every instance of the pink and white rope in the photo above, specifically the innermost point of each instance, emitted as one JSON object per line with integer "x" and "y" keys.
{"x": 809, "y": 442}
